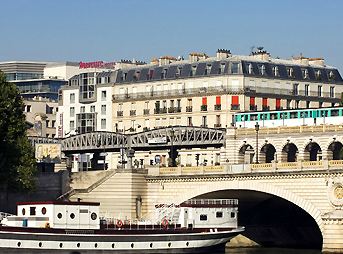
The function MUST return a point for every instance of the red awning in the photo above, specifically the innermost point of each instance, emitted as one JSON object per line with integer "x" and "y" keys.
{"x": 278, "y": 102}
{"x": 218, "y": 100}
{"x": 252, "y": 101}
{"x": 235, "y": 100}
{"x": 265, "y": 102}
{"x": 204, "y": 100}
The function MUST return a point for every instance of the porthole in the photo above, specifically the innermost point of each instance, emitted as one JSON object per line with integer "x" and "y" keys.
{"x": 59, "y": 215}
{"x": 187, "y": 243}
{"x": 78, "y": 245}
{"x": 132, "y": 245}
{"x": 40, "y": 244}
{"x": 61, "y": 245}
{"x": 96, "y": 245}
{"x": 23, "y": 211}
{"x": 19, "y": 244}
{"x": 43, "y": 210}
{"x": 72, "y": 216}
{"x": 169, "y": 245}
{"x": 113, "y": 245}
{"x": 93, "y": 216}
{"x": 150, "y": 245}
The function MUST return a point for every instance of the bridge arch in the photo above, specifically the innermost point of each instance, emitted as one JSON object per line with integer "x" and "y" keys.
{"x": 306, "y": 205}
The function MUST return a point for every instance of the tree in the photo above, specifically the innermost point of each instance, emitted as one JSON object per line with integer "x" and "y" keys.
{"x": 17, "y": 162}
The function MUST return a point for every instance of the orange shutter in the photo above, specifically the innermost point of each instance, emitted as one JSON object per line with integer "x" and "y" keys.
{"x": 278, "y": 102}
{"x": 265, "y": 102}
{"x": 252, "y": 101}
{"x": 235, "y": 100}
{"x": 204, "y": 100}
{"x": 218, "y": 100}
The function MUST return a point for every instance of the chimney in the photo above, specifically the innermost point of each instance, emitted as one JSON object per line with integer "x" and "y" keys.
{"x": 261, "y": 54}
{"x": 154, "y": 61}
{"x": 165, "y": 60}
{"x": 194, "y": 57}
{"x": 301, "y": 60}
{"x": 317, "y": 61}
{"x": 223, "y": 53}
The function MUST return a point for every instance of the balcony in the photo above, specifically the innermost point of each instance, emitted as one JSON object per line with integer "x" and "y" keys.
{"x": 157, "y": 111}
{"x": 132, "y": 112}
{"x": 253, "y": 107}
{"x": 217, "y": 125}
{"x": 178, "y": 109}
{"x": 119, "y": 113}
{"x": 163, "y": 110}
{"x": 217, "y": 107}
{"x": 146, "y": 111}
{"x": 203, "y": 108}
{"x": 265, "y": 108}
{"x": 171, "y": 110}
{"x": 146, "y": 128}
{"x": 189, "y": 109}
{"x": 235, "y": 107}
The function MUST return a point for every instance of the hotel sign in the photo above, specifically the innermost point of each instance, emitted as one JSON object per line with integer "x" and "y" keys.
{"x": 97, "y": 64}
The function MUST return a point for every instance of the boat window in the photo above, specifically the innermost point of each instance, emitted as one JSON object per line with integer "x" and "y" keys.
{"x": 32, "y": 210}
{"x": 219, "y": 214}
{"x": 23, "y": 211}
{"x": 203, "y": 216}
{"x": 334, "y": 112}
{"x": 59, "y": 215}
{"x": 93, "y": 216}
{"x": 43, "y": 210}
{"x": 72, "y": 215}
{"x": 233, "y": 215}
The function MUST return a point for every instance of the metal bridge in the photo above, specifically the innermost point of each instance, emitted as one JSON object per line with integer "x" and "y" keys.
{"x": 173, "y": 136}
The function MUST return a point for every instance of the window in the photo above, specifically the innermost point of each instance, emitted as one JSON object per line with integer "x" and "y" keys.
{"x": 72, "y": 111}
{"x": 53, "y": 122}
{"x": 86, "y": 122}
{"x": 28, "y": 108}
{"x": 219, "y": 214}
{"x": 203, "y": 217}
{"x": 250, "y": 69}
{"x": 204, "y": 121}
{"x": 295, "y": 89}
{"x": 320, "y": 91}
{"x": 262, "y": 69}
{"x": 331, "y": 75}
{"x": 189, "y": 121}
{"x": 305, "y": 73}
{"x": 222, "y": 68}
{"x": 59, "y": 215}
{"x": 72, "y": 98}
{"x": 208, "y": 69}
{"x": 103, "y": 109}
{"x": 217, "y": 121}
{"x": 192, "y": 73}
{"x": 318, "y": 74}
{"x": 276, "y": 71}
{"x": 32, "y": 210}
{"x": 332, "y": 91}
{"x": 290, "y": 72}
{"x": 233, "y": 215}
{"x": 234, "y": 68}
{"x": 72, "y": 125}
{"x": 82, "y": 109}
{"x": 92, "y": 109}
{"x": 103, "y": 123}
{"x": 103, "y": 95}
{"x": 307, "y": 89}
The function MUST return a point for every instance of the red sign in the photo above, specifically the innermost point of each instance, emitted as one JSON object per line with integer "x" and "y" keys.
{"x": 97, "y": 64}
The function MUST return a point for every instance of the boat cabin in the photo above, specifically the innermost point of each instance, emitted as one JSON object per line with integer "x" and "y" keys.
{"x": 55, "y": 214}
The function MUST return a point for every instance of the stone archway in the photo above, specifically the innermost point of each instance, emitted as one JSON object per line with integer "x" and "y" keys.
{"x": 268, "y": 151}
{"x": 289, "y": 152}
{"x": 335, "y": 151}
{"x": 312, "y": 152}
{"x": 246, "y": 154}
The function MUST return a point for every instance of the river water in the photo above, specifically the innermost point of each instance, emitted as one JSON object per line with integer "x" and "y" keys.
{"x": 261, "y": 250}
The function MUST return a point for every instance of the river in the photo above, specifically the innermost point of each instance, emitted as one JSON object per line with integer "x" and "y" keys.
{"x": 261, "y": 250}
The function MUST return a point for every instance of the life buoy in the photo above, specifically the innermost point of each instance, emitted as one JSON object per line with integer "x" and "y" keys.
{"x": 164, "y": 223}
{"x": 119, "y": 223}
{"x": 47, "y": 225}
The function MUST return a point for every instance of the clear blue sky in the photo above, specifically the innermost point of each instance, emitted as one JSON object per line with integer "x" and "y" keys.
{"x": 86, "y": 30}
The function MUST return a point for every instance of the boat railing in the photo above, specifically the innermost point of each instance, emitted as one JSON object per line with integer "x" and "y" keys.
{"x": 118, "y": 224}
{"x": 4, "y": 215}
{"x": 223, "y": 202}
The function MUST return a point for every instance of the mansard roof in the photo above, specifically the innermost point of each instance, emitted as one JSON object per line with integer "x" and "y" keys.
{"x": 214, "y": 67}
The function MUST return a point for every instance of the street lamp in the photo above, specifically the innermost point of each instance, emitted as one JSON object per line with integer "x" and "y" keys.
{"x": 257, "y": 128}
{"x": 122, "y": 152}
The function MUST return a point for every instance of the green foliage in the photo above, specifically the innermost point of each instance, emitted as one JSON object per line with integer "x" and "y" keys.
{"x": 17, "y": 162}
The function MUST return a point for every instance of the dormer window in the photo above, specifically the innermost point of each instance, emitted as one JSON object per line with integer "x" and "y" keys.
{"x": 222, "y": 68}
{"x": 305, "y": 73}
{"x": 234, "y": 68}
{"x": 262, "y": 69}
{"x": 208, "y": 69}
{"x": 250, "y": 69}
{"x": 290, "y": 72}
{"x": 318, "y": 74}
{"x": 331, "y": 75}
{"x": 194, "y": 67}
{"x": 276, "y": 71}
{"x": 178, "y": 71}
{"x": 164, "y": 74}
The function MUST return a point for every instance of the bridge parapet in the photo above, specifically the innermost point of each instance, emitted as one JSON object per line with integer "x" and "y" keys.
{"x": 284, "y": 167}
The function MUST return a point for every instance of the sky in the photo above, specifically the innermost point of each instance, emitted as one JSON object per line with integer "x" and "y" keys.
{"x": 111, "y": 30}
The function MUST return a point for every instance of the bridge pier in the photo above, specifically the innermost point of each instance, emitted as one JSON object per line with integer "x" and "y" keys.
{"x": 333, "y": 232}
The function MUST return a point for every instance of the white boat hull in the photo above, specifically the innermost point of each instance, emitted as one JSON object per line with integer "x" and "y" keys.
{"x": 12, "y": 242}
